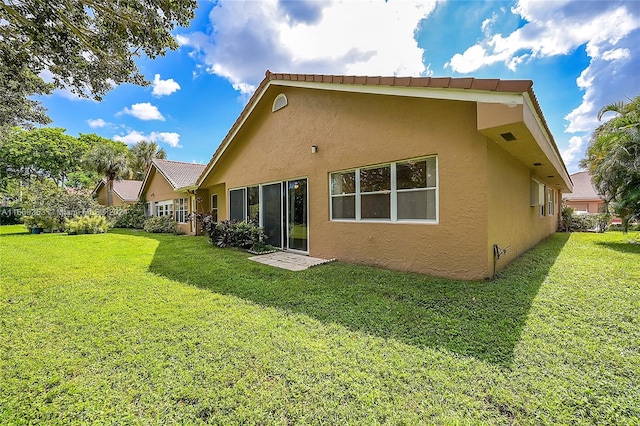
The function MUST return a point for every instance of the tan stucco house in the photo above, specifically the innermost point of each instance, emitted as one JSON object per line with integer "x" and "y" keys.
{"x": 169, "y": 189}
{"x": 584, "y": 196}
{"x": 419, "y": 174}
{"x": 124, "y": 192}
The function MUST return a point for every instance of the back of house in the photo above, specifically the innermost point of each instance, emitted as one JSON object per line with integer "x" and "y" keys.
{"x": 431, "y": 175}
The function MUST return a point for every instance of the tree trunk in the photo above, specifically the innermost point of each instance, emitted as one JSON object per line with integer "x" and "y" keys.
{"x": 110, "y": 190}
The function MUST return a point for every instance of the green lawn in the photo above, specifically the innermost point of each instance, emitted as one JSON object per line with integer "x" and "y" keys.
{"x": 135, "y": 328}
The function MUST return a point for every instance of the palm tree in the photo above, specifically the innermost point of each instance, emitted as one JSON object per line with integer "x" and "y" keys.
{"x": 141, "y": 155}
{"x": 613, "y": 158}
{"x": 110, "y": 160}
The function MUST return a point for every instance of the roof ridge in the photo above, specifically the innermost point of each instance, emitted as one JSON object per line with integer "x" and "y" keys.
{"x": 176, "y": 161}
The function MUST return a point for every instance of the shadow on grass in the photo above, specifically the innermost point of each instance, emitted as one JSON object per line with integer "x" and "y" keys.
{"x": 481, "y": 319}
{"x": 628, "y": 247}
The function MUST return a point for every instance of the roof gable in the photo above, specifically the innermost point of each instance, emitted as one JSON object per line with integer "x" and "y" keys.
{"x": 507, "y": 92}
{"x": 178, "y": 174}
{"x": 583, "y": 188}
{"x": 126, "y": 190}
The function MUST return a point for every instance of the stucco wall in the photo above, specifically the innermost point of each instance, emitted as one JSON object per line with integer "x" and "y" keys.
{"x": 586, "y": 206}
{"x": 102, "y": 197}
{"x": 513, "y": 222}
{"x": 158, "y": 189}
{"x": 354, "y": 130}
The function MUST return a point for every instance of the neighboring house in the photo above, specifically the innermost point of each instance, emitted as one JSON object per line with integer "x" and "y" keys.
{"x": 169, "y": 189}
{"x": 584, "y": 196}
{"x": 124, "y": 192}
{"x": 408, "y": 173}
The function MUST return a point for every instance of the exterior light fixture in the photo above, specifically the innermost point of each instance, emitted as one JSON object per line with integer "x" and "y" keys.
{"x": 314, "y": 149}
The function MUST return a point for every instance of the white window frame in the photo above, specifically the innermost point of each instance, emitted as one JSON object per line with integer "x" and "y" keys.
{"x": 181, "y": 210}
{"x": 551, "y": 197}
{"x": 214, "y": 209}
{"x": 393, "y": 192}
{"x": 164, "y": 208}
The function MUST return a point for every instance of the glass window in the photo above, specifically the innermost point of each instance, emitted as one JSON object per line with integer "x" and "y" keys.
{"x": 343, "y": 198}
{"x": 164, "y": 208}
{"x": 343, "y": 183}
{"x": 237, "y": 210}
{"x": 344, "y": 207}
{"x": 181, "y": 210}
{"x": 550, "y": 207}
{"x": 375, "y": 180}
{"x": 541, "y": 198}
{"x": 417, "y": 205}
{"x": 253, "y": 204}
{"x": 376, "y": 206}
{"x": 405, "y": 190}
{"x": 411, "y": 175}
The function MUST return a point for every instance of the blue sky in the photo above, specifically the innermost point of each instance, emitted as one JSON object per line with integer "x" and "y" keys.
{"x": 581, "y": 56}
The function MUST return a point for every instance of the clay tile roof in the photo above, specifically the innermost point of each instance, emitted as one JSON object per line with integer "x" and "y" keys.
{"x": 127, "y": 190}
{"x": 179, "y": 174}
{"x": 485, "y": 84}
{"x": 583, "y": 188}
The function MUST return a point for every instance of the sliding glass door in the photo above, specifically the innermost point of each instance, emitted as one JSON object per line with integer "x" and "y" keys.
{"x": 281, "y": 208}
{"x": 297, "y": 215}
{"x": 272, "y": 219}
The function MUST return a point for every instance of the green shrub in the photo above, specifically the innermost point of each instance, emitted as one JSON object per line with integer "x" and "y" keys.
{"x": 89, "y": 224}
{"x": 590, "y": 222}
{"x": 234, "y": 234}
{"x": 46, "y": 206}
{"x": 9, "y": 215}
{"x": 582, "y": 222}
{"x": 566, "y": 215}
{"x": 163, "y": 224}
{"x": 130, "y": 216}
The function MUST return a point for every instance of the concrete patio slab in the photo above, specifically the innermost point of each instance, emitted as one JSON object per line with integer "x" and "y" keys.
{"x": 290, "y": 261}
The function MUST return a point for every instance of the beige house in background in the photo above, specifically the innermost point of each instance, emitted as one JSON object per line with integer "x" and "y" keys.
{"x": 169, "y": 189}
{"x": 584, "y": 196}
{"x": 124, "y": 192}
{"x": 419, "y": 174}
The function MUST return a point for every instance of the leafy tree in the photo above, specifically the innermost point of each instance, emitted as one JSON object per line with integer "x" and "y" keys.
{"x": 86, "y": 46}
{"x": 613, "y": 158}
{"x": 109, "y": 159}
{"x": 17, "y": 84}
{"x": 47, "y": 205}
{"x": 42, "y": 153}
{"x": 140, "y": 156}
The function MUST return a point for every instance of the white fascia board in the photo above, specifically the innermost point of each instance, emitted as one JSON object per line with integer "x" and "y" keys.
{"x": 548, "y": 138}
{"x": 507, "y": 98}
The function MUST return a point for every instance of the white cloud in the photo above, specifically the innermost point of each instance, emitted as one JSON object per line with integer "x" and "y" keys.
{"x": 553, "y": 28}
{"x": 98, "y": 122}
{"x": 616, "y": 54}
{"x": 339, "y": 37}
{"x": 574, "y": 152}
{"x": 164, "y": 87}
{"x": 608, "y": 31}
{"x": 143, "y": 111}
{"x": 170, "y": 138}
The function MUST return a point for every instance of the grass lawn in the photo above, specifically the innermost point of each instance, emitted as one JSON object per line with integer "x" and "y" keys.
{"x": 135, "y": 328}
